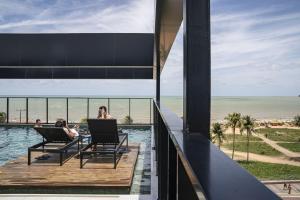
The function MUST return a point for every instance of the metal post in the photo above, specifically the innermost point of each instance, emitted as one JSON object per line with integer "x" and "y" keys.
{"x": 157, "y": 50}
{"x": 7, "y": 110}
{"x": 172, "y": 169}
{"x": 47, "y": 110}
{"x": 108, "y": 105}
{"x": 150, "y": 102}
{"x": 196, "y": 72}
{"x": 129, "y": 102}
{"x": 67, "y": 110}
{"x": 26, "y": 110}
{"x": 88, "y": 108}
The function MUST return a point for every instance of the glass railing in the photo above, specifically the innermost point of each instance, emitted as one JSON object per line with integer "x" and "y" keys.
{"x": 25, "y": 110}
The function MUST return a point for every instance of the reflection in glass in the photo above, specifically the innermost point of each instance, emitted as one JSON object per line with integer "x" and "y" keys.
{"x": 57, "y": 109}
{"x": 37, "y": 110}
{"x": 17, "y": 110}
{"x": 77, "y": 110}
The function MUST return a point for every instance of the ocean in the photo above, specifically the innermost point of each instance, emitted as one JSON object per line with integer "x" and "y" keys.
{"x": 261, "y": 108}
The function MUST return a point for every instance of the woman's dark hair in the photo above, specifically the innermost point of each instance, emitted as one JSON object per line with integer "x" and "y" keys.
{"x": 37, "y": 120}
{"x": 64, "y": 123}
{"x": 58, "y": 123}
{"x": 103, "y": 107}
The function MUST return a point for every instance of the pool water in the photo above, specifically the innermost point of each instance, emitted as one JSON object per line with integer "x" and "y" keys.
{"x": 15, "y": 141}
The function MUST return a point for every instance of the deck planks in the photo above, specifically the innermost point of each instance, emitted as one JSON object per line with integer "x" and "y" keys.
{"x": 98, "y": 172}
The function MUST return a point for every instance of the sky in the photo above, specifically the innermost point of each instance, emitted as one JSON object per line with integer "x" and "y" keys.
{"x": 255, "y": 45}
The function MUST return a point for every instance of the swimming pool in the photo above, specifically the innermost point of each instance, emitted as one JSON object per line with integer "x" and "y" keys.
{"x": 15, "y": 141}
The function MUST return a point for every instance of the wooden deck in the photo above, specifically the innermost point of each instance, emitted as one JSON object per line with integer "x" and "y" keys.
{"x": 98, "y": 172}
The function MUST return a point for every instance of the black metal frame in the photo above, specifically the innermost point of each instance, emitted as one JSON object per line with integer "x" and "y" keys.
{"x": 61, "y": 150}
{"x": 106, "y": 150}
{"x": 76, "y": 56}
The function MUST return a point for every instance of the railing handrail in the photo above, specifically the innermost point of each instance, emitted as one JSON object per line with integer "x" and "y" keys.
{"x": 69, "y": 100}
{"x": 74, "y": 97}
{"x": 211, "y": 172}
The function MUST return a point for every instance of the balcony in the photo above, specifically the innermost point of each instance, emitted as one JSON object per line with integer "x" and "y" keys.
{"x": 169, "y": 157}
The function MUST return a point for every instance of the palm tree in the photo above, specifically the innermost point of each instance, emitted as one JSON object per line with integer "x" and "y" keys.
{"x": 217, "y": 133}
{"x": 248, "y": 125}
{"x": 233, "y": 121}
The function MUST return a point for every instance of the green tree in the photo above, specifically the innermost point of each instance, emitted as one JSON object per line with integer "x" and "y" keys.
{"x": 2, "y": 117}
{"x": 248, "y": 125}
{"x": 217, "y": 134}
{"x": 297, "y": 120}
{"x": 233, "y": 121}
{"x": 127, "y": 120}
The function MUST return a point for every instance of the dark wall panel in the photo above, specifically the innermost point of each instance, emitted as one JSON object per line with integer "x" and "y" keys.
{"x": 69, "y": 56}
{"x": 76, "y": 73}
{"x": 86, "y": 49}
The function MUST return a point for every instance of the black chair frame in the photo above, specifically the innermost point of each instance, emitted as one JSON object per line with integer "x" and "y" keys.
{"x": 112, "y": 142}
{"x": 50, "y": 140}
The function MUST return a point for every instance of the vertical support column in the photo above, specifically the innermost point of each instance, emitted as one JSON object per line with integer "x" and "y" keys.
{"x": 172, "y": 170}
{"x": 157, "y": 50}
{"x": 26, "y": 110}
{"x": 47, "y": 110}
{"x": 163, "y": 153}
{"x": 197, "y": 66}
{"x": 7, "y": 110}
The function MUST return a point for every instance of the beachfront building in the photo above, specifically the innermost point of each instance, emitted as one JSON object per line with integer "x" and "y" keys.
{"x": 186, "y": 164}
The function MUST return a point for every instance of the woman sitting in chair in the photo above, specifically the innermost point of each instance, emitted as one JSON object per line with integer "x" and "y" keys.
{"x": 103, "y": 114}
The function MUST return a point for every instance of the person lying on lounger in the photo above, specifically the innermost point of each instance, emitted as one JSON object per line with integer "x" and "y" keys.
{"x": 72, "y": 132}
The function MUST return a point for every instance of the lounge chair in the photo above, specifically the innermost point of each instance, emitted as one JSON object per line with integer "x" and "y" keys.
{"x": 53, "y": 135}
{"x": 105, "y": 132}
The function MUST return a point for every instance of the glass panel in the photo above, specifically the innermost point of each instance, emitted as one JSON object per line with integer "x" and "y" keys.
{"x": 57, "y": 109}
{"x": 94, "y": 106}
{"x": 119, "y": 109}
{"x": 3, "y": 105}
{"x": 37, "y": 110}
{"x": 140, "y": 111}
{"x": 17, "y": 110}
{"x": 77, "y": 110}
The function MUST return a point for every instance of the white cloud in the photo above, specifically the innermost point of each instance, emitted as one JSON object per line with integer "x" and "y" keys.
{"x": 254, "y": 51}
{"x": 90, "y": 16}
